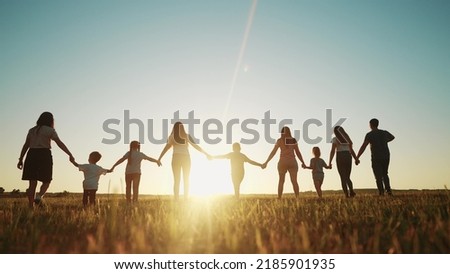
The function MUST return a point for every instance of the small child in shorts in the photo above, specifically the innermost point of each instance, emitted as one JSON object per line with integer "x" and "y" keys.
{"x": 92, "y": 174}
{"x": 317, "y": 164}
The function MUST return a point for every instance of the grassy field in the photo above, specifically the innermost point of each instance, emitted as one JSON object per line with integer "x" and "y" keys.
{"x": 410, "y": 222}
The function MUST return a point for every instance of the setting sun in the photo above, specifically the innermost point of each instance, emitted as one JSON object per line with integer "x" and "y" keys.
{"x": 210, "y": 177}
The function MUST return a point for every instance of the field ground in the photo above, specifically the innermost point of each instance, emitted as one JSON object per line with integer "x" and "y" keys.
{"x": 409, "y": 222}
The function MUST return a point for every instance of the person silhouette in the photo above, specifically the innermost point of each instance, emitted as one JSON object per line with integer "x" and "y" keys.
{"x": 237, "y": 160}
{"x": 179, "y": 140}
{"x": 288, "y": 150}
{"x": 133, "y": 169}
{"x": 92, "y": 173}
{"x": 38, "y": 164}
{"x": 342, "y": 146}
{"x": 380, "y": 154}
{"x": 317, "y": 165}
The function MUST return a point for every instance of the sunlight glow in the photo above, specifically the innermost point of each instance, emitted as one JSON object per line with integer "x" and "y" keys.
{"x": 210, "y": 177}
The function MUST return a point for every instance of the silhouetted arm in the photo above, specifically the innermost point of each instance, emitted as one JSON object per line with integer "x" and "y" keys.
{"x": 158, "y": 162}
{"x": 332, "y": 152}
{"x": 165, "y": 149}
{"x": 310, "y": 165}
{"x": 224, "y": 156}
{"x": 250, "y": 161}
{"x": 64, "y": 148}
{"x": 74, "y": 163}
{"x": 274, "y": 151}
{"x": 362, "y": 149}
{"x": 197, "y": 147}
{"x": 389, "y": 136}
{"x": 119, "y": 162}
{"x": 24, "y": 150}
{"x": 299, "y": 155}
{"x": 352, "y": 152}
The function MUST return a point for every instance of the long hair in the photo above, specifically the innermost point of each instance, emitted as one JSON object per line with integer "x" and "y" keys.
{"x": 342, "y": 136}
{"x": 179, "y": 133}
{"x": 133, "y": 145}
{"x": 286, "y": 137}
{"x": 45, "y": 119}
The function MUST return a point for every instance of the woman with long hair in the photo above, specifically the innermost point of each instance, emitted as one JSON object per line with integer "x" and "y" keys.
{"x": 342, "y": 146}
{"x": 38, "y": 164}
{"x": 180, "y": 140}
{"x": 288, "y": 150}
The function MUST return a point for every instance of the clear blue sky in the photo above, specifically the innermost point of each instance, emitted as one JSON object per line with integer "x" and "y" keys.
{"x": 88, "y": 61}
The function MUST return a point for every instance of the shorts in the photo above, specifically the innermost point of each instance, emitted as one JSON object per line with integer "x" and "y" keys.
{"x": 38, "y": 165}
{"x": 318, "y": 176}
{"x": 285, "y": 165}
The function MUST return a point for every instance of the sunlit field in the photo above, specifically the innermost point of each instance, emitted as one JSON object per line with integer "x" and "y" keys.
{"x": 410, "y": 222}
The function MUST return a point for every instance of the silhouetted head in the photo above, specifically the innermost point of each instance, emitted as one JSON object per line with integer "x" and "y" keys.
{"x": 135, "y": 145}
{"x": 286, "y": 136}
{"x": 94, "y": 157}
{"x": 316, "y": 151}
{"x": 286, "y": 132}
{"x": 374, "y": 123}
{"x": 341, "y": 135}
{"x": 179, "y": 133}
{"x": 237, "y": 147}
{"x": 45, "y": 119}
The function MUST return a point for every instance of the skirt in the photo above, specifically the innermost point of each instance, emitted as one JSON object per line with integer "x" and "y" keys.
{"x": 38, "y": 165}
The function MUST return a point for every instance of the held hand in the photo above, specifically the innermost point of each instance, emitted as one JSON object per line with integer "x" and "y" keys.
{"x": 263, "y": 166}
{"x": 357, "y": 162}
{"x": 209, "y": 157}
{"x": 109, "y": 171}
{"x": 303, "y": 165}
{"x": 158, "y": 162}
{"x": 331, "y": 166}
{"x": 71, "y": 159}
{"x": 20, "y": 164}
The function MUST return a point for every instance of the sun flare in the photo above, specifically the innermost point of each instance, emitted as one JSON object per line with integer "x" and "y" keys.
{"x": 210, "y": 177}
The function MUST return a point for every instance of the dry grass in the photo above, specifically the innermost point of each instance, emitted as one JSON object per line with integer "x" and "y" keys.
{"x": 410, "y": 222}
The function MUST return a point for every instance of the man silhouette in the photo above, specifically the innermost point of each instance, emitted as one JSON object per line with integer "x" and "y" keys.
{"x": 378, "y": 140}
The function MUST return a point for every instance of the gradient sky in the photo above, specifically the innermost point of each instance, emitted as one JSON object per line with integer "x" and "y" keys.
{"x": 88, "y": 61}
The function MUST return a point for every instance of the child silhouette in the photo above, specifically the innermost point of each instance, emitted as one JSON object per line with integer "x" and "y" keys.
{"x": 92, "y": 173}
{"x": 237, "y": 160}
{"x": 317, "y": 164}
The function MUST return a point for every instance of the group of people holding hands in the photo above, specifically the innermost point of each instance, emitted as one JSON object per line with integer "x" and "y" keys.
{"x": 38, "y": 164}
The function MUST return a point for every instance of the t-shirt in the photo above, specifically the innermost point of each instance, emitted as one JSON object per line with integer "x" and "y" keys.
{"x": 134, "y": 163}
{"x": 339, "y": 146}
{"x": 92, "y": 174}
{"x": 179, "y": 148}
{"x": 41, "y": 136}
{"x": 237, "y": 160}
{"x": 287, "y": 147}
{"x": 317, "y": 165}
{"x": 378, "y": 140}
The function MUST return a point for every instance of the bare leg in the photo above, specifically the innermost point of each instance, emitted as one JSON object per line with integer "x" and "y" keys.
{"x": 128, "y": 181}
{"x": 293, "y": 174}
{"x": 281, "y": 180}
{"x": 136, "y": 181}
{"x": 237, "y": 180}
{"x": 43, "y": 188}
{"x": 92, "y": 197}
{"x": 318, "y": 186}
{"x": 85, "y": 197}
{"x": 31, "y": 192}
{"x": 186, "y": 175}
{"x": 176, "y": 170}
